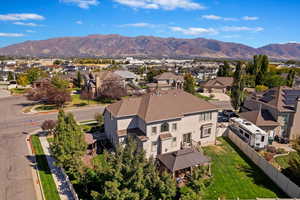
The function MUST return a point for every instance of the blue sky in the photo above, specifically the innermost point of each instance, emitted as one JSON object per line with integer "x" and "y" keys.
{"x": 251, "y": 22}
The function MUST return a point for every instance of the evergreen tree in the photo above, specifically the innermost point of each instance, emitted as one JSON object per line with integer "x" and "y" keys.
{"x": 129, "y": 175}
{"x": 224, "y": 70}
{"x": 69, "y": 145}
{"x": 10, "y": 76}
{"x": 78, "y": 80}
{"x": 291, "y": 78}
{"x": 189, "y": 84}
{"x": 237, "y": 91}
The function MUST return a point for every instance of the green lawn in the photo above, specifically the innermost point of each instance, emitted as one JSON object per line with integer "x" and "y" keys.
{"x": 48, "y": 184}
{"x": 283, "y": 161}
{"x": 206, "y": 98}
{"x": 18, "y": 90}
{"x": 76, "y": 101}
{"x": 234, "y": 175}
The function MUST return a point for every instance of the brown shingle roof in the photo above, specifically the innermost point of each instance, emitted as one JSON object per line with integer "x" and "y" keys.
{"x": 260, "y": 117}
{"x": 219, "y": 82}
{"x": 169, "y": 76}
{"x": 182, "y": 159}
{"x": 107, "y": 75}
{"x": 160, "y": 105}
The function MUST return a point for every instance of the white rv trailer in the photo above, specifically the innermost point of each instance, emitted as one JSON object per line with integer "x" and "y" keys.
{"x": 249, "y": 132}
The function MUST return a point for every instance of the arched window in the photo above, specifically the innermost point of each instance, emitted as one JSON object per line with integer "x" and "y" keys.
{"x": 164, "y": 127}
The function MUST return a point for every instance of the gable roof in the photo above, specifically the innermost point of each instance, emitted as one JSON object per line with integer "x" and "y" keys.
{"x": 261, "y": 117}
{"x": 160, "y": 105}
{"x": 125, "y": 74}
{"x": 219, "y": 82}
{"x": 106, "y": 75}
{"x": 182, "y": 159}
{"x": 169, "y": 76}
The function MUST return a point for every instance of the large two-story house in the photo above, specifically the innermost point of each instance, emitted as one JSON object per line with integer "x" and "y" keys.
{"x": 162, "y": 121}
{"x": 277, "y": 105}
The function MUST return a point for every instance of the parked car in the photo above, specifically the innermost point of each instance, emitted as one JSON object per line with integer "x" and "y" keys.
{"x": 229, "y": 113}
{"x": 281, "y": 140}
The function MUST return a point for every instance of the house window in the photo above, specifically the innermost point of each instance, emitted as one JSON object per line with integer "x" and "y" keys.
{"x": 174, "y": 144}
{"x": 154, "y": 130}
{"x": 262, "y": 138}
{"x": 154, "y": 146}
{"x": 206, "y": 116}
{"x": 164, "y": 127}
{"x": 174, "y": 127}
{"x": 206, "y": 131}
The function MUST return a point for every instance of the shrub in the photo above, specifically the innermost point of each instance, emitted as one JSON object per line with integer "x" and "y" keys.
{"x": 268, "y": 156}
{"x": 261, "y": 88}
{"x": 271, "y": 149}
{"x": 281, "y": 151}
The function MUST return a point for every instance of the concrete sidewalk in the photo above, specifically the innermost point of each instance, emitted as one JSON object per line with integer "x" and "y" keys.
{"x": 60, "y": 179}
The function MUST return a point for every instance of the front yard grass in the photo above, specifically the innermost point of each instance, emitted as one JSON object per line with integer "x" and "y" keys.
{"x": 206, "y": 98}
{"x": 236, "y": 176}
{"x": 18, "y": 90}
{"x": 47, "y": 181}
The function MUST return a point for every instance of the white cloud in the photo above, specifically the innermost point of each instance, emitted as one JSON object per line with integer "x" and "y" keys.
{"x": 85, "y": 4}
{"x": 30, "y": 31}
{"x": 79, "y": 22}
{"x": 162, "y": 4}
{"x": 215, "y": 17}
{"x": 11, "y": 34}
{"x": 139, "y": 25}
{"x": 241, "y": 28}
{"x": 21, "y": 17}
{"x": 194, "y": 31}
{"x": 212, "y": 17}
{"x": 247, "y": 18}
{"x": 25, "y": 24}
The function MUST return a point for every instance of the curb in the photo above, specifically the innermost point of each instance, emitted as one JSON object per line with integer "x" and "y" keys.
{"x": 32, "y": 112}
{"x": 34, "y": 170}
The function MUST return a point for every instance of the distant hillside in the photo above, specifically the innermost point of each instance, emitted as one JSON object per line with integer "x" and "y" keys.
{"x": 145, "y": 46}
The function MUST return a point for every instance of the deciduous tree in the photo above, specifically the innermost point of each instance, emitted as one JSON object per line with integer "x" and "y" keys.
{"x": 189, "y": 84}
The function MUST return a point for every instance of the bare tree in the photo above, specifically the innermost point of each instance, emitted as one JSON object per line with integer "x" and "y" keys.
{"x": 48, "y": 125}
{"x": 112, "y": 89}
{"x": 49, "y": 94}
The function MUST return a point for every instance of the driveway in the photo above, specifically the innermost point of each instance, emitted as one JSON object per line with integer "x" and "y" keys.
{"x": 15, "y": 168}
{"x": 4, "y": 93}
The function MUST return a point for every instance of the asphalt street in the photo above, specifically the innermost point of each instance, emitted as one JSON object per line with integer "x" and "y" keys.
{"x": 16, "y": 181}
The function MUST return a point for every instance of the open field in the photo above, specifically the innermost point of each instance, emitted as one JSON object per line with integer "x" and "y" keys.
{"x": 234, "y": 175}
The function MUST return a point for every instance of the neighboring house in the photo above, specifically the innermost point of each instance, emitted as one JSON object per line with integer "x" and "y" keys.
{"x": 205, "y": 73}
{"x": 128, "y": 76}
{"x": 94, "y": 81}
{"x": 218, "y": 85}
{"x": 162, "y": 122}
{"x": 264, "y": 120}
{"x": 284, "y": 106}
{"x": 166, "y": 81}
{"x": 297, "y": 82}
{"x": 42, "y": 82}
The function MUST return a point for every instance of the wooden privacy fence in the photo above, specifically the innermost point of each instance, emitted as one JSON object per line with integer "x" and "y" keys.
{"x": 286, "y": 185}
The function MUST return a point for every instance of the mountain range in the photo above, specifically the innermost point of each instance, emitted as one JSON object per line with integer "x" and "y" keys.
{"x": 146, "y": 46}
